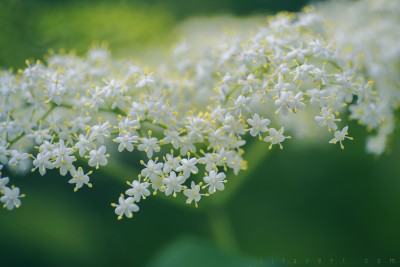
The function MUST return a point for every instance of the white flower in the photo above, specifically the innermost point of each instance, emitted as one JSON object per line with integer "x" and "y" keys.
{"x": 276, "y": 137}
{"x": 173, "y": 183}
{"x": 83, "y": 145}
{"x": 287, "y": 102}
{"x": 40, "y": 135}
{"x": 320, "y": 75}
{"x": 340, "y": 136}
{"x": 139, "y": 190}
{"x": 193, "y": 194}
{"x": 214, "y": 181}
{"x": 11, "y": 198}
{"x": 317, "y": 96}
{"x": 97, "y": 99}
{"x": 126, "y": 141}
{"x": 302, "y": 71}
{"x": 113, "y": 88}
{"x": 187, "y": 145}
{"x": 129, "y": 125}
{"x": 297, "y": 103}
{"x": 98, "y": 157}
{"x": 210, "y": 160}
{"x": 80, "y": 123}
{"x": 283, "y": 102}
{"x": 188, "y": 166}
{"x": 152, "y": 170}
{"x": 241, "y": 105}
{"x": 172, "y": 137}
{"x": 100, "y": 132}
{"x": 125, "y": 207}
{"x": 146, "y": 80}
{"x": 327, "y": 118}
{"x": 79, "y": 178}
{"x": 249, "y": 83}
{"x": 149, "y": 145}
{"x": 63, "y": 156}
{"x": 171, "y": 163}
{"x": 55, "y": 90}
{"x": 258, "y": 125}
{"x": 42, "y": 162}
{"x": 297, "y": 53}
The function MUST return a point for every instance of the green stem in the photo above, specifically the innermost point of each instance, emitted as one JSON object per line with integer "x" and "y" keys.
{"x": 222, "y": 230}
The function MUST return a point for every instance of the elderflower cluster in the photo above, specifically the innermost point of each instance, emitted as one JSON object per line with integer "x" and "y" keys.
{"x": 190, "y": 117}
{"x": 370, "y": 34}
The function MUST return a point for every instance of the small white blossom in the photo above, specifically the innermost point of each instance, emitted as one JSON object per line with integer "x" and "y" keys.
{"x": 100, "y": 132}
{"x": 171, "y": 163}
{"x": 83, "y": 145}
{"x": 98, "y": 157}
{"x": 242, "y": 105}
{"x": 327, "y": 118}
{"x": 258, "y": 125}
{"x": 193, "y": 194}
{"x": 215, "y": 181}
{"x": 146, "y": 80}
{"x": 340, "y": 136}
{"x": 188, "y": 166}
{"x": 149, "y": 145}
{"x": 173, "y": 183}
{"x": 172, "y": 137}
{"x": 125, "y": 207}
{"x": 152, "y": 170}
{"x": 275, "y": 137}
{"x": 42, "y": 162}
{"x": 79, "y": 178}
{"x": 63, "y": 157}
{"x": 139, "y": 190}
{"x": 126, "y": 141}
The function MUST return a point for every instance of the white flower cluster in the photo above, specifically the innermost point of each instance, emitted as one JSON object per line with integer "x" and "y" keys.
{"x": 191, "y": 118}
{"x": 369, "y": 32}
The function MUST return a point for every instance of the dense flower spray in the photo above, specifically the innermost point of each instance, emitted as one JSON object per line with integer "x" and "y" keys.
{"x": 191, "y": 116}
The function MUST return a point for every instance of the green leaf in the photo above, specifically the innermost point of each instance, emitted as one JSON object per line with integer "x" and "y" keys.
{"x": 194, "y": 252}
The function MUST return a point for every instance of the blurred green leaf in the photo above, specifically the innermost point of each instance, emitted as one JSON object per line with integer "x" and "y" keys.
{"x": 194, "y": 252}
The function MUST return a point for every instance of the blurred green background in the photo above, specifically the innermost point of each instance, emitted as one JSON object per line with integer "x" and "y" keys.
{"x": 306, "y": 202}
